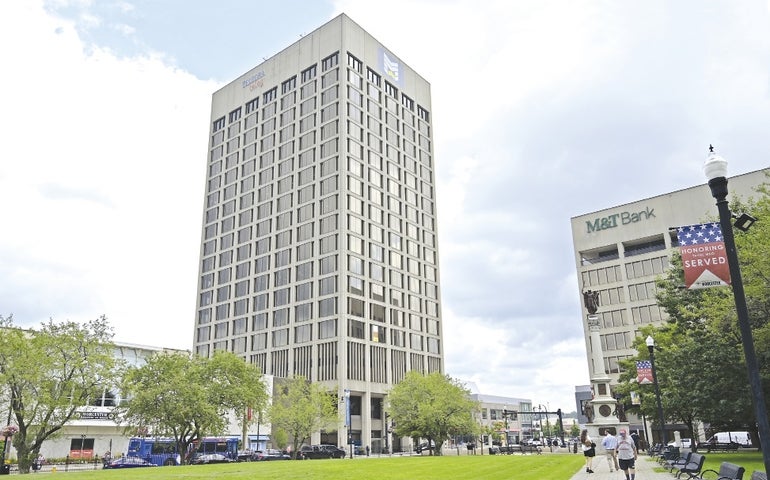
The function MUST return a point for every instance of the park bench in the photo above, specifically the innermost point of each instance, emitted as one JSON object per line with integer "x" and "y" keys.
{"x": 519, "y": 448}
{"x": 693, "y": 467}
{"x": 655, "y": 450}
{"x": 727, "y": 471}
{"x": 676, "y": 463}
{"x": 720, "y": 447}
{"x": 668, "y": 453}
{"x": 758, "y": 475}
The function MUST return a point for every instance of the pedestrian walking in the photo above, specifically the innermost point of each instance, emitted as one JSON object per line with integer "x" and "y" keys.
{"x": 609, "y": 442}
{"x": 589, "y": 450}
{"x": 626, "y": 451}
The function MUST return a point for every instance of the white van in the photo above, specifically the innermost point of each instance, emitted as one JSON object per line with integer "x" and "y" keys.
{"x": 741, "y": 438}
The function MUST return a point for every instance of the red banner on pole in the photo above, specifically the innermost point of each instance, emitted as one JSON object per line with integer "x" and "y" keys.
{"x": 704, "y": 257}
{"x": 644, "y": 372}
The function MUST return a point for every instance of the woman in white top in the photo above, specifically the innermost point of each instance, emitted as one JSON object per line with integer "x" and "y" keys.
{"x": 589, "y": 449}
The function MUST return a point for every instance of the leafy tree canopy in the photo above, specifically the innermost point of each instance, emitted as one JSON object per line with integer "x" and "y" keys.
{"x": 300, "y": 408}
{"x": 187, "y": 398}
{"x": 433, "y": 407}
{"x": 50, "y": 373}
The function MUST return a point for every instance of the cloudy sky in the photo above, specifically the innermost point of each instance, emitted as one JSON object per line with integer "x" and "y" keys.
{"x": 542, "y": 110}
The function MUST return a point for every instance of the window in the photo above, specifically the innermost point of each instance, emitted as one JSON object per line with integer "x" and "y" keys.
{"x": 391, "y": 90}
{"x": 372, "y": 77}
{"x": 355, "y": 286}
{"x": 252, "y": 105}
{"x": 327, "y": 328}
{"x": 355, "y": 329}
{"x": 422, "y": 113}
{"x": 289, "y": 85}
{"x": 407, "y": 102}
{"x": 281, "y": 337}
{"x": 354, "y": 63}
{"x": 327, "y": 307}
{"x": 355, "y": 265}
{"x": 329, "y": 62}
{"x": 355, "y": 307}
{"x": 378, "y": 334}
{"x": 308, "y": 73}
{"x": 304, "y": 271}
{"x": 303, "y": 291}
{"x": 303, "y": 312}
{"x": 303, "y": 333}
{"x": 327, "y": 286}
{"x": 270, "y": 95}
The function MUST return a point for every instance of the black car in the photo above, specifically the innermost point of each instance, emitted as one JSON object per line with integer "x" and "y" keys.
{"x": 129, "y": 462}
{"x": 321, "y": 451}
{"x": 333, "y": 450}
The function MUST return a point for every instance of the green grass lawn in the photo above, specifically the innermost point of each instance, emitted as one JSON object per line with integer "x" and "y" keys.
{"x": 471, "y": 467}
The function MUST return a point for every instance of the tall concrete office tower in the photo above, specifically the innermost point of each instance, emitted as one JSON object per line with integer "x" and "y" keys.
{"x": 319, "y": 252}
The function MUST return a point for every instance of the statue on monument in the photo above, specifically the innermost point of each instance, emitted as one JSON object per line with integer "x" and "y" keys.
{"x": 620, "y": 411}
{"x": 588, "y": 411}
{"x": 591, "y": 299}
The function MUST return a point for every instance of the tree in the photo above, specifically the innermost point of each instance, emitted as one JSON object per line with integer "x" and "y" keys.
{"x": 574, "y": 430}
{"x": 50, "y": 373}
{"x": 188, "y": 398}
{"x": 300, "y": 408}
{"x": 433, "y": 407}
{"x": 699, "y": 353}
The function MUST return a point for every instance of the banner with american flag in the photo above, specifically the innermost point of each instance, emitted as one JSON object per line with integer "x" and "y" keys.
{"x": 704, "y": 258}
{"x": 644, "y": 372}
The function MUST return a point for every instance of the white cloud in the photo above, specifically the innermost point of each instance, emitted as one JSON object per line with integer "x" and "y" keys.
{"x": 546, "y": 110}
{"x": 541, "y": 111}
{"x": 104, "y": 154}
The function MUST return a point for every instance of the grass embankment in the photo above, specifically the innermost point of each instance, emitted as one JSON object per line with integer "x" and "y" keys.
{"x": 471, "y": 467}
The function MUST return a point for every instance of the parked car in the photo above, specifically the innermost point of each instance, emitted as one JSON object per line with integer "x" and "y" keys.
{"x": 333, "y": 450}
{"x": 321, "y": 451}
{"x": 683, "y": 443}
{"x": 247, "y": 455}
{"x": 270, "y": 454}
{"x": 425, "y": 446}
{"x": 129, "y": 462}
{"x": 206, "y": 458}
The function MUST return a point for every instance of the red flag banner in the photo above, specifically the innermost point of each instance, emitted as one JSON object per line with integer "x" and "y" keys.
{"x": 644, "y": 372}
{"x": 704, "y": 257}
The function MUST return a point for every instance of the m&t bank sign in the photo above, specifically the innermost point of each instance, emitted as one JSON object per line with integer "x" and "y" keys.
{"x": 617, "y": 219}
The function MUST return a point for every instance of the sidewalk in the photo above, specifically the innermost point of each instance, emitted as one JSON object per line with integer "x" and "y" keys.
{"x": 644, "y": 470}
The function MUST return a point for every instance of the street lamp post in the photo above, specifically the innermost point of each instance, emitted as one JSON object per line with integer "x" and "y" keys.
{"x": 505, "y": 418}
{"x": 348, "y": 423}
{"x": 651, "y": 348}
{"x": 715, "y": 169}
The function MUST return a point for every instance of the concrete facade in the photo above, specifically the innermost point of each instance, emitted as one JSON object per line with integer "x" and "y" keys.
{"x": 319, "y": 251}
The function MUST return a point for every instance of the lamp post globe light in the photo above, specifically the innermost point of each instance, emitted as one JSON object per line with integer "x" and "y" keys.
{"x": 715, "y": 169}
{"x": 651, "y": 348}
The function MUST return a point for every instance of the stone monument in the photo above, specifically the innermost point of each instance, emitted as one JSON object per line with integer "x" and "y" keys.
{"x": 603, "y": 411}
